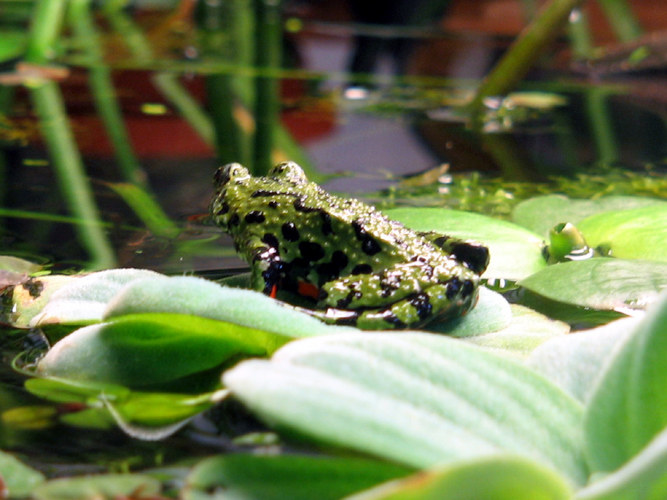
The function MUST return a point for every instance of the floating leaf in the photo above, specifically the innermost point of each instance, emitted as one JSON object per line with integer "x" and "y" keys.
{"x": 147, "y": 349}
{"x": 19, "y": 479}
{"x": 575, "y": 361}
{"x": 417, "y": 399}
{"x": 515, "y": 251}
{"x": 269, "y": 477}
{"x": 629, "y": 405}
{"x": 527, "y": 330}
{"x": 644, "y": 476}
{"x": 541, "y": 213}
{"x": 85, "y": 298}
{"x": 196, "y": 296}
{"x": 601, "y": 283}
{"x": 640, "y": 233}
{"x": 502, "y": 477}
{"x": 492, "y": 313}
{"x": 96, "y": 487}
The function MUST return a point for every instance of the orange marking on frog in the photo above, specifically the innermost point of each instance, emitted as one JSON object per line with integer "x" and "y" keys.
{"x": 306, "y": 289}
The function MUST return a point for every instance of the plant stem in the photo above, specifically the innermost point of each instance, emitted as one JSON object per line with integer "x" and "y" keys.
{"x": 104, "y": 92}
{"x": 601, "y": 126}
{"x": 622, "y": 19}
{"x": 580, "y": 35}
{"x": 49, "y": 106}
{"x": 525, "y": 50}
{"x": 267, "y": 57}
{"x": 50, "y": 109}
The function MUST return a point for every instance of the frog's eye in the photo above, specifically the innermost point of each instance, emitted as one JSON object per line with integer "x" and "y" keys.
{"x": 288, "y": 171}
{"x": 229, "y": 171}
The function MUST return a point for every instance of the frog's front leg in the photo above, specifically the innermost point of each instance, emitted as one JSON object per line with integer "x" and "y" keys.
{"x": 473, "y": 254}
{"x": 268, "y": 269}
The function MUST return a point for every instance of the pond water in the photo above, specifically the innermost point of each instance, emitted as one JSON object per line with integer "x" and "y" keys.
{"x": 187, "y": 98}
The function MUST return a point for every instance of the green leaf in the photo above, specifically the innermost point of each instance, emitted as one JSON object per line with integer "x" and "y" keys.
{"x": 640, "y": 233}
{"x": 85, "y": 298}
{"x": 492, "y": 313}
{"x": 642, "y": 477}
{"x": 575, "y": 361}
{"x": 296, "y": 477}
{"x": 601, "y": 283}
{"x": 515, "y": 251}
{"x": 17, "y": 478}
{"x": 96, "y": 487}
{"x": 12, "y": 44}
{"x": 196, "y": 296}
{"x": 629, "y": 405}
{"x": 502, "y": 477}
{"x": 147, "y": 349}
{"x": 527, "y": 330}
{"x": 417, "y": 399}
{"x": 541, "y": 213}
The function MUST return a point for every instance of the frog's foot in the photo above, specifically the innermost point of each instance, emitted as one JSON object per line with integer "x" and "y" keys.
{"x": 439, "y": 302}
{"x": 471, "y": 253}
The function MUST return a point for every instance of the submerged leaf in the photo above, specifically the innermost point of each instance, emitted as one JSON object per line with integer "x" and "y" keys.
{"x": 416, "y": 399}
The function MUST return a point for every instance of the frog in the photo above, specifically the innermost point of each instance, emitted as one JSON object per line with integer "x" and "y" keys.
{"x": 352, "y": 264}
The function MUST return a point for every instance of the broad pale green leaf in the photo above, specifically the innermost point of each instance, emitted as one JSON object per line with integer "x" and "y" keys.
{"x": 417, "y": 399}
{"x": 96, "y": 487}
{"x": 601, "y": 283}
{"x": 502, "y": 477}
{"x": 640, "y": 233}
{"x": 575, "y": 361}
{"x": 293, "y": 477}
{"x": 526, "y": 331}
{"x": 85, "y": 298}
{"x": 629, "y": 405}
{"x": 147, "y": 349}
{"x": 490, "y": 314}
{"x": 643, "y": 477}
{"x": 200, "y": 297}
{"x": 541, "y": 213}
{"x": 515, "y": 251}
{"x": 17, "y": 478}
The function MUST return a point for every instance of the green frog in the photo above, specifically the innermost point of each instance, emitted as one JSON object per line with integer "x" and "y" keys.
{"x": 355, "y": 265}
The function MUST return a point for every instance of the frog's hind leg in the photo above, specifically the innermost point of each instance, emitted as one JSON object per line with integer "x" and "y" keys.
{"x": 442, "y": 301}
{"x": 471, "y": 253}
